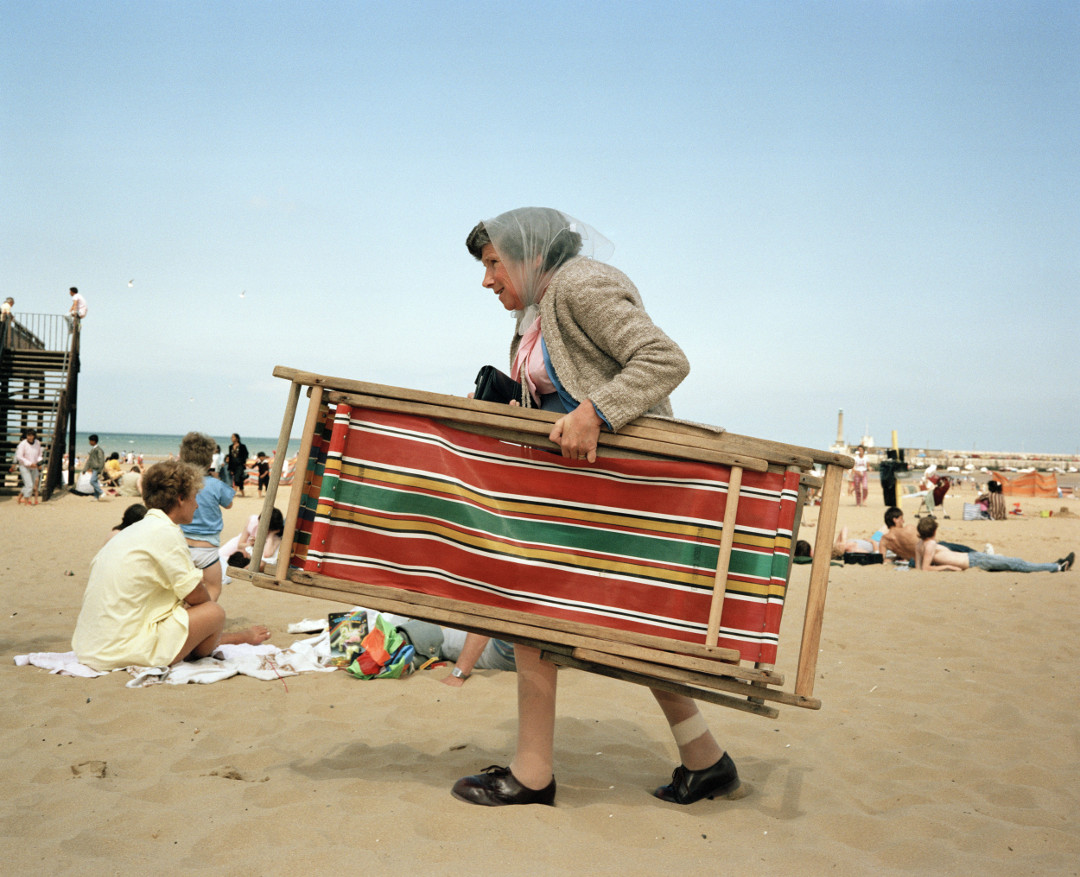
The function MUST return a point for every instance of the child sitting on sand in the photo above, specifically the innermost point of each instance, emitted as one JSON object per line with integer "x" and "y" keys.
{"x": 145, "y": 603}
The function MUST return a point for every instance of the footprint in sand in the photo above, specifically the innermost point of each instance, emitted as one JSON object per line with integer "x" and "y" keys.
{"x": 231, "y": 773}
{"x": 89, "y": 769}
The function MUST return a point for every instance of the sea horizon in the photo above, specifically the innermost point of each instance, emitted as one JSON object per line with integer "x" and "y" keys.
{"x": 164, "y": 444}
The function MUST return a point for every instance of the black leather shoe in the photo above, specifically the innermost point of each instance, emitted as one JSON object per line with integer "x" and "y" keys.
{"x": 687, "y": 786}
{"x": 495, "y": 786}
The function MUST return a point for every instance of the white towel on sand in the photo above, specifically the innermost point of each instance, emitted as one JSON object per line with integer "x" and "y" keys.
{"x": 64, "y": 663}
{"x": 264, "y": 661}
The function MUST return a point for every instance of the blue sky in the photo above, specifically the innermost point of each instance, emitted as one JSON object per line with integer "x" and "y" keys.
{"x": 866, "y": 206}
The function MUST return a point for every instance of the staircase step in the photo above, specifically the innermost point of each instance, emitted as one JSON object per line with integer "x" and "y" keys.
{"x": 36, "y": 364}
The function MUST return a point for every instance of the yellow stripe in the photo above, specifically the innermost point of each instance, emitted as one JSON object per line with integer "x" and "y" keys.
{"x": 751, "y": 540}
{"x": 756, "y": 590}
{"x": 523, "y": 508}
{"x": 604, "y": 564}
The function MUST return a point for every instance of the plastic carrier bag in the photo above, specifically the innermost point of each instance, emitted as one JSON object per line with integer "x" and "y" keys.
{"x": 384, "y": 654}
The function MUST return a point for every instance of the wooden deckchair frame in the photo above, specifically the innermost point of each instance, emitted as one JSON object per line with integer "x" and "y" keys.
{"x": 705, "y": 672}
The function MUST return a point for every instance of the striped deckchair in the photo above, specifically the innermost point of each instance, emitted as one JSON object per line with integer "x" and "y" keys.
{"x": 666, "y": 563}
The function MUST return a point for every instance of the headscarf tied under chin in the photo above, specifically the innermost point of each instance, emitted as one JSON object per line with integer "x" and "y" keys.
{"x": 533, "y": 243}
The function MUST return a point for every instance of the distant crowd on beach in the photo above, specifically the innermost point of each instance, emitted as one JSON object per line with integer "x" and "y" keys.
{"x": 99, "y": 475}
{"x": 154, "y": 593}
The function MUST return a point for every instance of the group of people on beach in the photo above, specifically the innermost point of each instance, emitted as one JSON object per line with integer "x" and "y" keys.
{"x": 918, "y": 547}
{"x": 146, "y": 603}
{"x": 101, "y": 474}
{"x": 154, "y": 589}
{"x": 582, "y": 345}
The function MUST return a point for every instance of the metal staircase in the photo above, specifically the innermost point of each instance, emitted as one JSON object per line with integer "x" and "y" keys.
{"x": 39, "y": 365}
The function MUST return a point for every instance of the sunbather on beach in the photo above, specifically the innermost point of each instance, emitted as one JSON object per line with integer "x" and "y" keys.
{"x": 584, "y": 346}
{"x": 843, "y": 545}
{"x": 932, "y": 556}
{"x": 145, "y": 603}
{"x": 903, "y": 541}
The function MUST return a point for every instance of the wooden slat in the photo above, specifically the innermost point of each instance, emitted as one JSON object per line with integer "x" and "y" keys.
{"x": 723, "y": 560}
{"x": 708, "y": 695}
{"x": 525, "y": 438}
{"x": 652, "y": 428}
{"x": 275, "y": 476}
{"x": 540, "y": 428}
{"x": 686, "y": 677}
{"x": 819, "y": 581}
{"x": 299, "y": 481}
{"x": 800, "y": 504}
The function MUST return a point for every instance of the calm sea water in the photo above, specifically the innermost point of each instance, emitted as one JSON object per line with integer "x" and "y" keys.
{"x": 163, "y": 445}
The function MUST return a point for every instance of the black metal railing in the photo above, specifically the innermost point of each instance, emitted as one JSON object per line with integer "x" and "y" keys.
{"x": 36, "y": 332}
{"x": 53, "y": 333}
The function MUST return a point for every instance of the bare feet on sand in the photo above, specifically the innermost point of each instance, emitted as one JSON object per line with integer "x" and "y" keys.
{"x": 252, "y": 636}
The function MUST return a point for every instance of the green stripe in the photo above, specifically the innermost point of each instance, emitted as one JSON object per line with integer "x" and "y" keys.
{"x": 696, "y": 555}
{"x": 587, "y": 538}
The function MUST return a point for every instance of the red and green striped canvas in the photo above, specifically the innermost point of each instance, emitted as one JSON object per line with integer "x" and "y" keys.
{"x": 310, "y": 485}
{"x": 406, "y": 502}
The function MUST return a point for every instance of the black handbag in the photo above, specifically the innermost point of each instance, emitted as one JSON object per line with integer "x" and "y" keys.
{"x": 493, "y": 385}
{"x": 863, "y": 558}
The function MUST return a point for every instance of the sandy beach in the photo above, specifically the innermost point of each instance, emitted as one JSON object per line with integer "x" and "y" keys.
{"x": 947, "y": 743}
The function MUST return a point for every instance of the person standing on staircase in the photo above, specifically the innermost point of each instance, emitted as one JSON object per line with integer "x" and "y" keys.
{"x": 78, "y": 306}
{"x": 5, "y": 322}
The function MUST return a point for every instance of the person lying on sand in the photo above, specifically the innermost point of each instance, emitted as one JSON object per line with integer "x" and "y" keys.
{"x": 932, "y": 556}
{"x": 903, "y": 541}
{"x": 843, "y": 545}
{"x": 145, "y": 603}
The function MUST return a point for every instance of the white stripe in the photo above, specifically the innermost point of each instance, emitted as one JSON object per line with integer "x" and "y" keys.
{"x": 531, "y": 597}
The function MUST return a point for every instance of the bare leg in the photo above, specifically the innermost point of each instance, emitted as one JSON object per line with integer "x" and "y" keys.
{"x": 205, "y": 623}
{"x": 700, "y": 752}
{"x": 211, "y": 577}
{"x": 537, "y": 679}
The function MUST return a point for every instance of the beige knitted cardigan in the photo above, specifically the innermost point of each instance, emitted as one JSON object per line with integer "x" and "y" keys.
{"x": 604, "y": 346}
